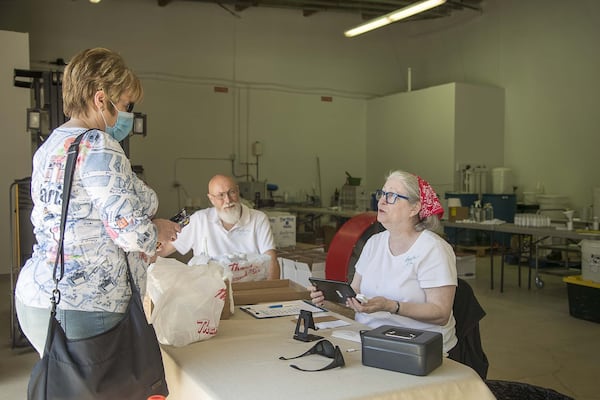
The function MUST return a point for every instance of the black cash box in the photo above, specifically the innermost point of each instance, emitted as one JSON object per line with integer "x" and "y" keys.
{"x": 410, "y": 351}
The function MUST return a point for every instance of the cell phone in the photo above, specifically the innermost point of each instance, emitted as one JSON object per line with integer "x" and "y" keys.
{"x": 182, "y": 218}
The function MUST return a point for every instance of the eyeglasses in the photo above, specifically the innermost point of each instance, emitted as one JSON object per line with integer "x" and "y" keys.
{"x": 390, "y": 197}
{"x": 322, "y": 348}
{"x": 231, "y": 193}
{"x": 128, "y": 107}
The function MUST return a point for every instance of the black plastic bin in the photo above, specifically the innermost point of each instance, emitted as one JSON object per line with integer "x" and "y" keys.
{"x": 584, "y": 298}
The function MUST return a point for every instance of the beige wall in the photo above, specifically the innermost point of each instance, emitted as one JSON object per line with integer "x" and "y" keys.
{"x": 431, "y": 131}
{"x": 543, "y": 53}
{"x": 15, "y": 153}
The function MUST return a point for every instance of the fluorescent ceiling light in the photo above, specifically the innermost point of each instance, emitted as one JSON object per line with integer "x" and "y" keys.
{"x": 394, "y": 16}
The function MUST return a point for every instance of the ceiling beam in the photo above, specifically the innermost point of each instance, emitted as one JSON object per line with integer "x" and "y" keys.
{"x": 368, "y": 9}
{"x": 308, "y": 13}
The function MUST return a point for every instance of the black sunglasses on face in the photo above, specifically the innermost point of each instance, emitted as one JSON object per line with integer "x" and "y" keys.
{"x": 128, "y": 107}
{"x": 323, "y": 348}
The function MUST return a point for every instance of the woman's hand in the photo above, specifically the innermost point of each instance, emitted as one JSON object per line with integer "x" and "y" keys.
{"x": 167, "y": 230}
{"x": 316, "y": 296}
{"x": 375, "y": 304}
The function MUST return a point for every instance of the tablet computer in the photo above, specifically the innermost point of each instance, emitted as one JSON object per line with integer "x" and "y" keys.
{"x": 336, "y": 291}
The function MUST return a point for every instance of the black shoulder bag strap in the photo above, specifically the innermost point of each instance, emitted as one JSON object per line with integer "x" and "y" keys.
{"x": 66, "y": 195}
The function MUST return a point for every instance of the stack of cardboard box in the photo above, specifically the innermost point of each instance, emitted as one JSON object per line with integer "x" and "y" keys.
{"x": 301, "y": 262}
{"x": 283, "y": 226}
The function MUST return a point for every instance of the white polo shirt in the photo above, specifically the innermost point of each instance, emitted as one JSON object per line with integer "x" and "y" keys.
{"x": 205, "y": 234}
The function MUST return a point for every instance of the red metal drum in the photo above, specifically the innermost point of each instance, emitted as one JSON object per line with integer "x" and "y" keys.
{"x": 347, "y": 244}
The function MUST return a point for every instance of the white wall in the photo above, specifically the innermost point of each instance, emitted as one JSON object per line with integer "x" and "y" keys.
{"x": 431, "y": 131}
{"x": 294, "y": 129}
{"x": 543, "y": 52}
{"x": 15, "y": 154}
{"x": 277, "y": 65}
{"x": 414, "y": 132}
{"x": 479, "y": 128}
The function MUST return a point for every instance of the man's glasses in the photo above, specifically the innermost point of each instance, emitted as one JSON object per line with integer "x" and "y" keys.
{"x": 322, "y": 348}
{"x": 390, "y": 197}
{"x": 231, "y": 193}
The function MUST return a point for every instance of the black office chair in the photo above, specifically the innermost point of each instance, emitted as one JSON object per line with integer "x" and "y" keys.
{"x": 467, "y": 313}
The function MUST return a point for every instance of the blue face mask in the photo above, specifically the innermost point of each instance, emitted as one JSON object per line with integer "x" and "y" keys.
{"x": 123, "y": 125}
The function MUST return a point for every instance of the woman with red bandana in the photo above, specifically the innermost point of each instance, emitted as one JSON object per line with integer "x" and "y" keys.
{"x": 407, "y": 272}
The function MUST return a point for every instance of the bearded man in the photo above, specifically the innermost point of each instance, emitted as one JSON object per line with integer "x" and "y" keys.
{"x": 228, "y": 227}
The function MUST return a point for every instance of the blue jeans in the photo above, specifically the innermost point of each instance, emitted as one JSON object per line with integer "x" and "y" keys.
{"x": 76, "y": 324}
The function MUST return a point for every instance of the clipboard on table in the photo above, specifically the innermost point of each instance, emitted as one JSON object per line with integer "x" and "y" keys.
{"x": 280, "y": 309}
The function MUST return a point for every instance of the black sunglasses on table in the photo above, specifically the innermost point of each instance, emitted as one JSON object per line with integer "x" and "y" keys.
{"x": 323, "y": 348}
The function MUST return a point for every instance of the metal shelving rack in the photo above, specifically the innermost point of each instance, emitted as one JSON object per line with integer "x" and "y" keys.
{"x": 22, "y": 239}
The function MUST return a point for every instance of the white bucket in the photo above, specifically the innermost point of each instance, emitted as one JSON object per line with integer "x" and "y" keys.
{"x": 454, "y": 202}
{"x": 590, "y": 260}
{"x": 502, "y": 182}
{"x": 553, "y": 201}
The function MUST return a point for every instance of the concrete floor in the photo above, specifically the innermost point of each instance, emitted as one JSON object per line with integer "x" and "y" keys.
{"x": 528, "y": 336}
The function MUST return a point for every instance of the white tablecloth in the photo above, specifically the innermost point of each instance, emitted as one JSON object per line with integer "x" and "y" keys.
{"x": 242, "y": 362}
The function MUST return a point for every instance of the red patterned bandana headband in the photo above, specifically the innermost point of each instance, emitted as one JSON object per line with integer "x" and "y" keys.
{"x": 430, "y": 204}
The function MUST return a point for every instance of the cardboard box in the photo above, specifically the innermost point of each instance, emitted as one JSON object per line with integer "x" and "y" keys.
{"x": 283, "y": 226}
{"x": 266, "y": 291}
{"x": 300, "y": 266}
{"x": 458, "y": 213}
{"x": 301, "y": 247}
{"x": 465, "y": 265}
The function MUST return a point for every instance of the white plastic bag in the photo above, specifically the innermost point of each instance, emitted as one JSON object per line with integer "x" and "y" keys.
{"x": 245, "y": 267}
{"x": 187, "y": 301}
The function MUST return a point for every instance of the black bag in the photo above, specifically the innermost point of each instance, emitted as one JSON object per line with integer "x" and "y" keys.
{"x": 122, "y": 363}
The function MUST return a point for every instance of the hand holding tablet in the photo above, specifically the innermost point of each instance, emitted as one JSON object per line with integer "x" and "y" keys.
{"x": 337, "y": 291}
{"x": 362, "y": 298}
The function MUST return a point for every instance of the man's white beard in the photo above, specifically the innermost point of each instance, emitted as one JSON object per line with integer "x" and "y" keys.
{"x": 230, "y": 215}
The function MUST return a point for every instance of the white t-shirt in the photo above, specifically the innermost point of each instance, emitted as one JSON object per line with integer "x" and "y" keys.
{"x": 205, "y": 234}
{"x": 430, "y": 262}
